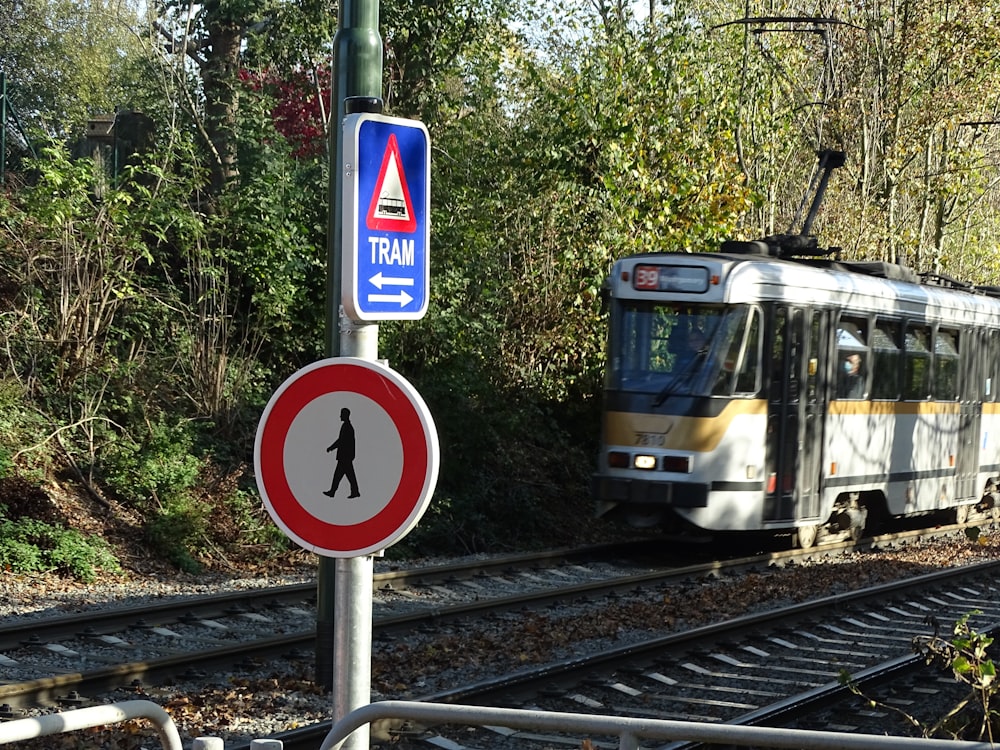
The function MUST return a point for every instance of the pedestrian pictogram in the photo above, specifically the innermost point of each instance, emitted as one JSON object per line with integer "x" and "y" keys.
{"x": 390, "y": 208}
{"x": 386, "y": 218}
{"x": 344, "y": 445}
{"x": 346, "y": 457}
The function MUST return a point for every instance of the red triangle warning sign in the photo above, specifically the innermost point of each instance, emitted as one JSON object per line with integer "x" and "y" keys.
{"x": 391, "y": 208}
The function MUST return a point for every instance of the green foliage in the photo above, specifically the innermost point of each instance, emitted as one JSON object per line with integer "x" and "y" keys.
{"x": 644, "y": 121}
{"x": 156, "y": 470}
{"x": 74, "y": 265}
{"x": 184, "y": 291}
{"x": 254, "y": 525}
{"x": 440, "y": 56}
{"x": 511, "y": 470}
{"x": 537, "y": 192}
{"x": 178, "y": 530}
{"x": 66, "y": 60}
{"x": 297, "y": 33}
{"x": 272, "y": 232}
{"x": 31, "y": 546}
{"x": 24, "y": 442}
{"x": 157, "y": 474}
{"x": 967, "y": 654}
{"x": 11, "y": 406}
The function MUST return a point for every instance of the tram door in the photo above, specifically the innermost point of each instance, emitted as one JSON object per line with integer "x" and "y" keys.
{"x": 796, "y": 407}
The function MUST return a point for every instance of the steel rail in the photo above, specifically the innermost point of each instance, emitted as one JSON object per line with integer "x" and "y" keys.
{"x": 571, "y": 671}
{"x": 63, "y": 687}
{"x": 116, "y": 619}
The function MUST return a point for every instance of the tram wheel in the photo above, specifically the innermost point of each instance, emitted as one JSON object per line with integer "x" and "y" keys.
{"x": 805, "y": 536}
{"x": 961, "y": 514}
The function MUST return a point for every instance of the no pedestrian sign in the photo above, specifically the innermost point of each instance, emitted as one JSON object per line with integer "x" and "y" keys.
{"x": 386, "y": 218}
{"x": 346, "y": 457}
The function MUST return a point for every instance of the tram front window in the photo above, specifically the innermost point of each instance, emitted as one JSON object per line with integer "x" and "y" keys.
{"x": 671, "y": 349}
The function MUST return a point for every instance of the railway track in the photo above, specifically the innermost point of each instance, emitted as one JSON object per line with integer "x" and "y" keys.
{"x": 780, "y": 668}
{"x": 433, "y": 598}
{"x": 58, "y": 661}
{"x": 386, "y": 583}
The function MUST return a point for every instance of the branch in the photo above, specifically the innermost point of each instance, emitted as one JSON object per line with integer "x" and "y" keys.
{"x": 59, "y": 430}
{"x": 57, "y": 436}
{"x": 91, "y": 489}
{"x": 190, "y": 47}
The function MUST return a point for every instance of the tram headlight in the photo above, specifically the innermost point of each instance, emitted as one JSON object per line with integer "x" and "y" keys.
{"x": 644, "y": 462}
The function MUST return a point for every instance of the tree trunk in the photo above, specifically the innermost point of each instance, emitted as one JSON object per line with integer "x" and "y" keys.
{"x": 220, "y": 76}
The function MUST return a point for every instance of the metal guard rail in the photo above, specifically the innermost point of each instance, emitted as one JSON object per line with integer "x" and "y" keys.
{"x": 94, "y": 716}
{"x": 629, "y": 730}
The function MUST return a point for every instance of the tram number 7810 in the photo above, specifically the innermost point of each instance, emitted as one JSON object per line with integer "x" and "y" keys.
{"x": 650, "y": 438}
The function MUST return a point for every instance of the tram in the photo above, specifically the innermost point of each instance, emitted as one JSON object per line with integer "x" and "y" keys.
{"x": 762, "y": 389}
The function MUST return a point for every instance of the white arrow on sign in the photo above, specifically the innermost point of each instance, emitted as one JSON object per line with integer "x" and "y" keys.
{"x": 402, "y": 298}
{"x": 378, "y": 280}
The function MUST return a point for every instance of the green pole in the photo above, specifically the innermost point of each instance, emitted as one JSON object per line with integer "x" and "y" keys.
{"x": 357, "y": 82}
{"x": 3, "y": 126}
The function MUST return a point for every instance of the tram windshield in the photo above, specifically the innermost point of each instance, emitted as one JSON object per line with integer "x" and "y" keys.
{"x": 684, "y": 349}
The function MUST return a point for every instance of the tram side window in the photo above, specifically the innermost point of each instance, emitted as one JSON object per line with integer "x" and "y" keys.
{"x": 852, "y": 356}
{"x": 777, "y": 379}
{"x": 945, "y": 387}
{"x": 812, "y": 366}
{"x": 886, "y": 360}
{"x": 917, "y": 365}
{"x": 748, "y": 377}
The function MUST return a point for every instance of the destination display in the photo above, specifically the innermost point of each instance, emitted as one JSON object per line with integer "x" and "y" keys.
{"x": 668, "y": 278}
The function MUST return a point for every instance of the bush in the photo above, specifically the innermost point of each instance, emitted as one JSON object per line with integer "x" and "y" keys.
{"x": 31, "y": 546}
{"x": 158, "y": 476}
{"x": 252, "y": 523}
{"x": 21, "y": 425}
{"x": 154, "y": 472}
{"x": 178, "y": 530}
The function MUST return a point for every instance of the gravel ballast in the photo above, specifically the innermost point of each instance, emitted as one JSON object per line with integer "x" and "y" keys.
{"x": 258, "y": 704}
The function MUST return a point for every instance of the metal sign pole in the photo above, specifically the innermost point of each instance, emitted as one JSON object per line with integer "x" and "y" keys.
{"x": 3, "y": 125}
{"x": 344, "y": 586}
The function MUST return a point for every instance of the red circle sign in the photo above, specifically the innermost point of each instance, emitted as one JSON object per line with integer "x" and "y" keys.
{"x": 346, "y": 457}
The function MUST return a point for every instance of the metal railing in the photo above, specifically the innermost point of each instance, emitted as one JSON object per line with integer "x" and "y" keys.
{"x": 94, "y": 716}
{"x": 629, "y": 730}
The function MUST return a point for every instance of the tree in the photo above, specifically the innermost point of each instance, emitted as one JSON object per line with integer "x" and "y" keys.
{"x": 211, "y": 36}
{"x": 66, "y": 60}
{"x": 910, "y": 74}
{"x": 559, "y": 161}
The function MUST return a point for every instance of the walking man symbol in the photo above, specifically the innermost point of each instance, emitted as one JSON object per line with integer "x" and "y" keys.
{"x": 344, "y": 446}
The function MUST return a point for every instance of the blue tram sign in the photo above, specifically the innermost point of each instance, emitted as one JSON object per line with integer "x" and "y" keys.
{"x": 386, "y": 224}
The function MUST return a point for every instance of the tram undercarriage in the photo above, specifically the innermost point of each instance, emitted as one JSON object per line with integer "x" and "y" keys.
{"x": 855, "y": 516}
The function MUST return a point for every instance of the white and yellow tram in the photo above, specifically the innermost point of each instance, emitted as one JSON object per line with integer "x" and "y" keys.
{"x": 745, "y": 392}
